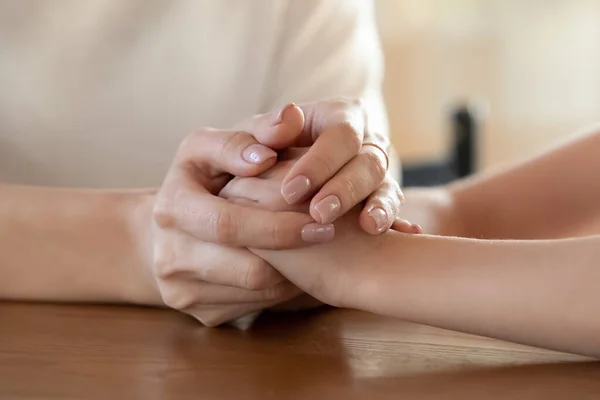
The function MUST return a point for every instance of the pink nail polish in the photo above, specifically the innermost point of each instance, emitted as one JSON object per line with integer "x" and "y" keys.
{"x": 257, "y": 154}
{"x": 379, "y": 217}
{"x": 317, "y": 233}
{"x": 296, "y": 189}
{"x": 328, "y": 209}
{"x": 279, "y": 118}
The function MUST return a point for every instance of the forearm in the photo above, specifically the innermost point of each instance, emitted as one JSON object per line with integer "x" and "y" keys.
{"x": 542, "y": 293}
{"x": 554, "y": 195}
{"x": 69, "y": 245}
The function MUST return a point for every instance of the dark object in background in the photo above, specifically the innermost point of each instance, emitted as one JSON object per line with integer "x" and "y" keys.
{"x": 462, "y": 157}
{"x": 464, "y": 133}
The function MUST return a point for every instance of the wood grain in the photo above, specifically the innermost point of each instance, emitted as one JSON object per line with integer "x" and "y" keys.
{"x": 103, "y": 352}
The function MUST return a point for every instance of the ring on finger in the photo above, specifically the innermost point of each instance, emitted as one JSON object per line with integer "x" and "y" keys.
{"x": 387, "y": 157}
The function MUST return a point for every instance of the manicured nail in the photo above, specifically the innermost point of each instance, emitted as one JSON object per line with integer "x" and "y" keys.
{"x": 296, "y": 189}
{"x": 257, "y": 154}
{"x": 317, "y": 233}
{"x": 279, "y": 117}
{"x": 380, "y": 217}
{"x": 328, "y": 209}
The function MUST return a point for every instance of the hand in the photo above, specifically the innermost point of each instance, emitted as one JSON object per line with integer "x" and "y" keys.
{"x": 264, "y": 192}
{"x": 333, "y": 266}
{"x": 199, "y": 261}
{"x": 346, "y": 164}
{"x": 331, "y": 272}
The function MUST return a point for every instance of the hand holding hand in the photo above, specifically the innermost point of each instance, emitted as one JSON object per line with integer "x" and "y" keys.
{"x": 199, "y": 261}
{"x": 327, "y": 271}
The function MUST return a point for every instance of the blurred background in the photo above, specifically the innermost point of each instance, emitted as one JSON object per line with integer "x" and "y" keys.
{"x": 533, "y": 67}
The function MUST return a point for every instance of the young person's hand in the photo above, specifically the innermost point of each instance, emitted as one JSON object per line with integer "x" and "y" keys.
{"x": 332, "y": 272}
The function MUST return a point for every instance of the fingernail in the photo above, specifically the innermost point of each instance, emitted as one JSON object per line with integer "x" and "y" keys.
{"x": 317, "y": 233}
{"x": 279, "y": 117}
{"x": 257, "y": 154}
{"x": 380, "y": 217}
{"x": 416, "y": 229}
{"x": 328, "y": 209}
{"x": 296, "y": 189}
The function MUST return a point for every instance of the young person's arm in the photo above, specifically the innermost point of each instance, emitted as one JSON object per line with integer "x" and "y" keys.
{"x": 540, "y": 293}
{"x": 554, "y": 195}
{"x": 543, "y": 293}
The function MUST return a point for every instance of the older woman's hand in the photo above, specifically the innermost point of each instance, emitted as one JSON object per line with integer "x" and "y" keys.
{"x": 347, "y": 162}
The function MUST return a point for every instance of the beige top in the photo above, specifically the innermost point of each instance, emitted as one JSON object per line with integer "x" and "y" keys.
{"x": 98, "y": 93}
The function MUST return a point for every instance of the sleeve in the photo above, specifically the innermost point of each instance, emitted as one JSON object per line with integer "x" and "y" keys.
{"x": 329, "y": 48}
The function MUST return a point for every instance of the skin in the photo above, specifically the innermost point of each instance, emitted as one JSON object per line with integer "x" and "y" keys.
{"x": 522, "y": 267}
{"x": 180, "y": 245}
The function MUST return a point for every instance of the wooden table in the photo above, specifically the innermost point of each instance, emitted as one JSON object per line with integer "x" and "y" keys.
{"x": 104, "y": 352}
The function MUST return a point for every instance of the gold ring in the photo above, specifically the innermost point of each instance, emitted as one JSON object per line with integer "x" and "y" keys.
{"x": 387, "y": 158}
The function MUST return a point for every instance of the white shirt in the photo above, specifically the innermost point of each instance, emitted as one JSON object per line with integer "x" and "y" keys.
{"x": 99, "y": 93}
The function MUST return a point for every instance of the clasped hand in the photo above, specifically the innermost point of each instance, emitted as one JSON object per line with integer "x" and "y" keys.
{"x": 200, "y": 259}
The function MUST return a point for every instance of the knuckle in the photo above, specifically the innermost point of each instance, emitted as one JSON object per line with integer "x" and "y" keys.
{"x": 165, "y": 264}
{"x": 191, "y": 140}
{"x": 233, "y": 141}
{"x": 376, "y": 165}
{"x": 257, "y": 275}
{"x": 352, "y": 137}
{"x": 224, "y": 227}
{"x": 350, "y": 193}
{"x": 188, "y": 141}
{"x": 322, "y": 164}
{"x": 379, "y": 138}
{"x": 280, "y": 233}
{"x": 162, "y": 213}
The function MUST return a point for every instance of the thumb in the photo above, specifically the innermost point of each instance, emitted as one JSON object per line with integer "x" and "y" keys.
{"x": 277, "y": 130}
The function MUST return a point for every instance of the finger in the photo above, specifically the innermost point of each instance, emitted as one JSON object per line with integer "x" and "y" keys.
{"x": 338, "y": 142}
{"x": 271, "y": 204}
{"x": 331, "y": 151}
{"x": 220, "y": 265}
{"x": 277, "y": 130}
{"x": 403, "y": 226}
{"x": 182, "y": 294}
{"x": 381, "y": 208}
{"x": 248, "y": 188}
{"x": 354, "y": 183}
{"x": 214, "y": 315}
{"x": 259, "y": 193}
{"x": 211, "y": 153}
{"x": 213, "y": 219}
{"x": 416, "y": 229}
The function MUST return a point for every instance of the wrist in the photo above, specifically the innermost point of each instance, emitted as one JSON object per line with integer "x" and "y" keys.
{"x": 456, "y": 211}
{"x": 434, "y": 209}
{"x": 139, "y": 285}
